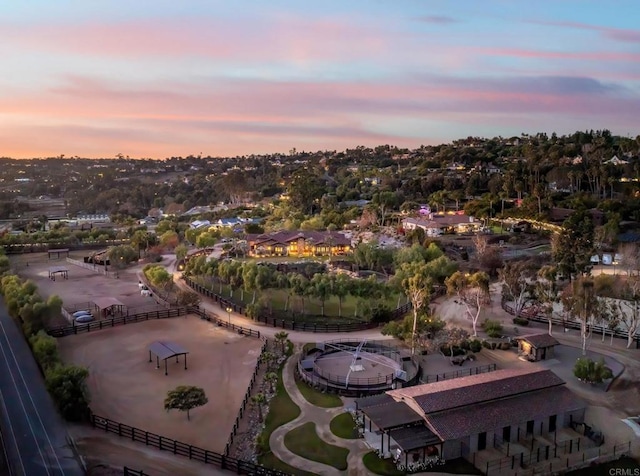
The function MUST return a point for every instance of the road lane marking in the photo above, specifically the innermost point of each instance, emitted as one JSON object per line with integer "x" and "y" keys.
{"x": 15, "y": 384}
{"x": 13, "y": 435}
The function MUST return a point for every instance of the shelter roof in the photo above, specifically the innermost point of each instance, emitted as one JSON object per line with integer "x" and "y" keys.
{"x": 474, "y": 419}
{"x": 391, "y": 415}
{"x": 165, "y": 349}
{"x": 475, "y": 389}
{"x": 414, "y": 437}
{"x": 539, "y": 340}
{"x": 107, "y": 302}
{"x": 58, "y": 269}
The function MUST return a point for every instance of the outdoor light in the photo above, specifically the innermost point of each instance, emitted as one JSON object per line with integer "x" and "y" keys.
{"x": 229, "y": 314}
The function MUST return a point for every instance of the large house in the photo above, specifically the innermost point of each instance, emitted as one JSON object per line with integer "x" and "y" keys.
{"x": 436, "y": 225}
{"x": 298, "y": 243}
{"x": 462, "y": 416}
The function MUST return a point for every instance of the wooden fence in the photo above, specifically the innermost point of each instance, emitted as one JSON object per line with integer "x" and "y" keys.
{"x": 245, "y": 400}
{"x": 118, "y": 321}
{"x": 98, "y": 269}
{"x": 292, "y": 325}
{"x": 569, "y": 324}
{"x": 134, "y": 472}
{"x": 146, "y": 316}
{"x": 182, "y": 449}
{"x": 481, "y": 369}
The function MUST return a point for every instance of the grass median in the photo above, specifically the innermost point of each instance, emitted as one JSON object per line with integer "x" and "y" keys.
{"x": 305, "y": 442}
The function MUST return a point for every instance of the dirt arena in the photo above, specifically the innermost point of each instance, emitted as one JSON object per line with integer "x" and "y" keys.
{"x": 126, "y": 387}
{"x": 83, "y": 284}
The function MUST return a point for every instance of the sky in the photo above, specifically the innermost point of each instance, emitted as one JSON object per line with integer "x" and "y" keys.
{"x": 155, "y": 79}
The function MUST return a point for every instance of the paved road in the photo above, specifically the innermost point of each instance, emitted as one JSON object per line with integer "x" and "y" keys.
{"x": 34, "y": 434}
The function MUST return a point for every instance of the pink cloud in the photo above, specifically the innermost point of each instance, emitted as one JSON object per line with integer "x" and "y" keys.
{"x": 618, "y": 34}
{"x": 89, "y": 117}
{"x": 278, "y": 38}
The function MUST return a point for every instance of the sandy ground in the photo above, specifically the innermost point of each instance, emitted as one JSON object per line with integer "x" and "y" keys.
{"x": 83, "y": 284}
{"x": 127, "y": 388}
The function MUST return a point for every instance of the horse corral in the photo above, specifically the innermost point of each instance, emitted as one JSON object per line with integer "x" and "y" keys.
{"x": 357, "y": 368}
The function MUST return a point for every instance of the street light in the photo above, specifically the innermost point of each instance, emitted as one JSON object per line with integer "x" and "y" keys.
{"x": 229, "y": 314}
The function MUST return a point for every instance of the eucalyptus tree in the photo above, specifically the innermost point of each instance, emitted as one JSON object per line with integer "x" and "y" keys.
{"x": 472, "y": 292}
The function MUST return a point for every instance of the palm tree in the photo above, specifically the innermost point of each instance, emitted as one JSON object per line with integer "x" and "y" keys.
{"x": 281, "y": 337}
{"x": 272, "y": 379}
{"x": 257, "y": 401}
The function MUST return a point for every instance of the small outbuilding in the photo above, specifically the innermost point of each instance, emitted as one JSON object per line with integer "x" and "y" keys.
{"x": 164, "y": 350}
{"x": 535, "y": 347}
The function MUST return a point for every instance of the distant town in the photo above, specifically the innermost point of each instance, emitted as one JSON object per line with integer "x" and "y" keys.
{"x": 465, "y": 308}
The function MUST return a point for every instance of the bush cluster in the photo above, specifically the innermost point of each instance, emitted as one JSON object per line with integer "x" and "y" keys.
{"x": 492, "y": 328}
{"x": 65, "y": 383}
{"x": 521, "y": 321}
{"x": 588, "y": 370}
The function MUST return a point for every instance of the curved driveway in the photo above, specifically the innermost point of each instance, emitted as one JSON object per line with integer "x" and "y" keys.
{"x": 34, "y": 435}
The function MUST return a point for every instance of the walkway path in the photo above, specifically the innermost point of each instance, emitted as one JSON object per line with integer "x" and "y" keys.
{"x": 322, "y": 418}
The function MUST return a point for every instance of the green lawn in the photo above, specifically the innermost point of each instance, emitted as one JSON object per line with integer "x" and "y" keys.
{"x": 319, "y": 399}
{"x": 305, "y": 442}
{"x": 281, "y": 410}
{"x": 270, "y": 461}
{"x": 343, "y": 426}
{"x": 384, "y": 467}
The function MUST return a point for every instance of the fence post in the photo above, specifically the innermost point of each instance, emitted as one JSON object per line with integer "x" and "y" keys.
{"x": 146, "y": 438}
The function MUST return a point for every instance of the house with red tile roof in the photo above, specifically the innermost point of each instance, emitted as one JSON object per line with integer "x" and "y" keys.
{"x": 298, "y": 243}
{"x": 461, "y": 416}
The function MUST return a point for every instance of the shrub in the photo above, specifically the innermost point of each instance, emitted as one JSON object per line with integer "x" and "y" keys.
{"x": 45, "y": 350}
{"x": 492, "y": 328}
{"x": 446, "y": 350}
{"x": 521, "y": 321}
{"x": 475, "y": 345}
{"x": 486, "y": 344}
{"x": 590, "y": 371}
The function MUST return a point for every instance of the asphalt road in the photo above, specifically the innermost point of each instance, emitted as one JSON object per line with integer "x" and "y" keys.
{"x": 34, "y": 435}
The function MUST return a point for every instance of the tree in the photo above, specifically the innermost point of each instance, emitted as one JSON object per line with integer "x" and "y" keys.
{"x": 320, "y": 287}
{"x": 416, "y": 283}
{"x": 272, "y": 380}
{"x": 258, "y": 400}
{"x": 45, "y": 350}
{"x": 472, "y": 292}
{"x": 516, "y": 278}
{"x": 281, "y": 338}
{"x": 590, "y": 371}
{"x": 580, "y": 302}
{"x": 185, "y": 398}
{"x": 340, "y": 287}
{"x": 573, "y": 246}
{"x": 67, "y": 386}
{"x": 630, "y": 299}
{"x": 186, "y": 297}
{"x": 545, "y": 291}
{"x": 181, "y": 252}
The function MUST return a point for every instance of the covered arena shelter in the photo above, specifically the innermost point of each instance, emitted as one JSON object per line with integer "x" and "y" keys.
{"x": 164, "y": 350}
{"x": 58, "y": 252}
{"x": 109, "y": 306}
{"x": 61, "y": 270}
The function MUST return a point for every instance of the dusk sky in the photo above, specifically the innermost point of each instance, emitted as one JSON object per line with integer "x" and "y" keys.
{"x": 173, "y": 78}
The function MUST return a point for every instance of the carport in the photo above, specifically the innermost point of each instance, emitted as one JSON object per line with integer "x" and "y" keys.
{"x": 164, "y": 350}
{"x": 61, "y": 270}
{"x": 109, "y": 305}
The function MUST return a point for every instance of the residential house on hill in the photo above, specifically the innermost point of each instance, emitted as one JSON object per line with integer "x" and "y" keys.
{"x": 436, "y": 225}
{"x": 299, "y": 243}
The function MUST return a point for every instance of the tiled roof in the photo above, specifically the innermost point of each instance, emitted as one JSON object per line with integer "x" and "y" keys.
{"x": 494, "y": 415}
{"x": 456, "y": 393}
{"x": 539, "y": 340}
{"x": 315, "y": 237}
{"x": 391, "y": 415}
